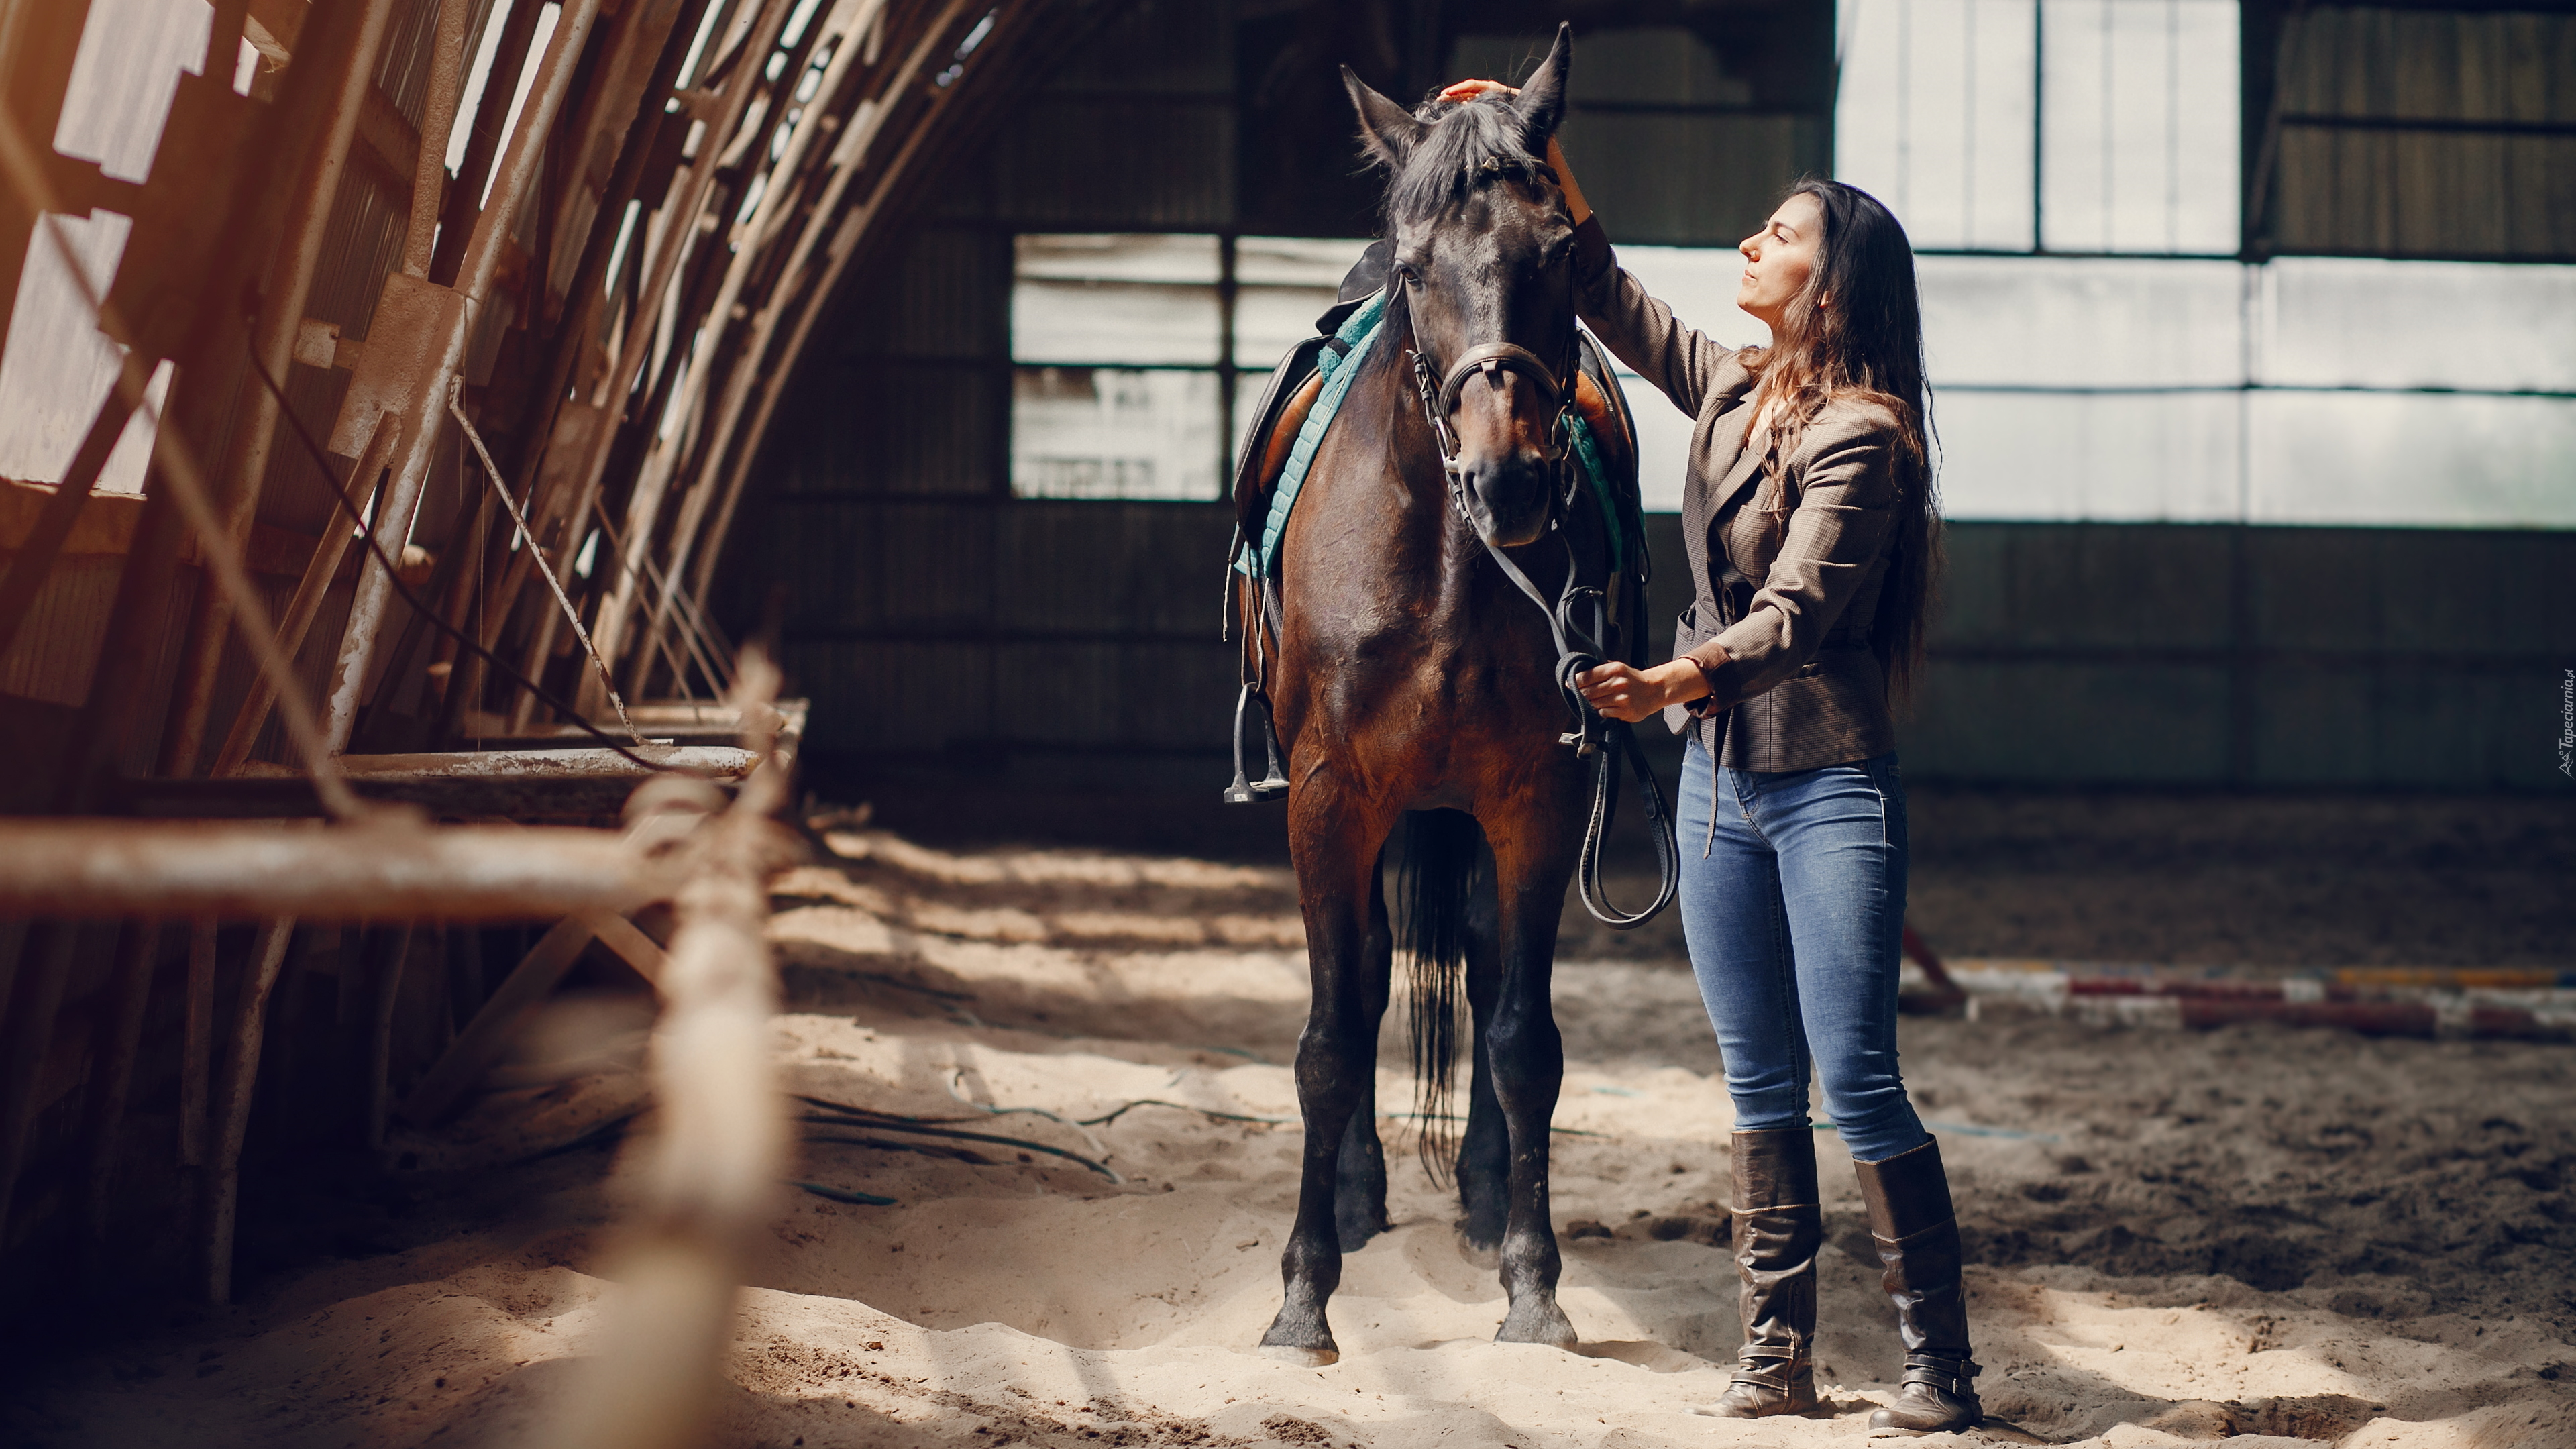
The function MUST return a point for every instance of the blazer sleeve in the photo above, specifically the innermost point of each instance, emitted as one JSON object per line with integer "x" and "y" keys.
{"x": 1682, "y": 362}
{"x": 1845, "y": 518}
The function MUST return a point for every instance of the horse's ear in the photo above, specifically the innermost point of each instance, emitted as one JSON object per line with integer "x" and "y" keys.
{"x": 1389, "y": 129}
{"x": 1542, "y": 98}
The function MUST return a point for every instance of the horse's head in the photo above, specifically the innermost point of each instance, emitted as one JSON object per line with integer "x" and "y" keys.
{"x": 1484, "y": 253}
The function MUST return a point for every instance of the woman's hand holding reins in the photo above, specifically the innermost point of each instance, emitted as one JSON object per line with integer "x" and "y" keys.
{"x": 1577, "y": 210}
{"x": 1625, "y": 692}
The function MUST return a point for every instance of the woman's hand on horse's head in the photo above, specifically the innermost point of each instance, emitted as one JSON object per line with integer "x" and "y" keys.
{"x": 1625, "y": 692}
{"x": 1577, "y": 209}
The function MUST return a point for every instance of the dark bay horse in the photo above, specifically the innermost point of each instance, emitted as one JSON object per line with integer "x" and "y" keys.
{"x": 1412, "y": 675}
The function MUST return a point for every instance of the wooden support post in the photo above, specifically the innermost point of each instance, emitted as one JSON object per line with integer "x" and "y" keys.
{"x": 387, "y": 983}
{"x": 197, "y": 1048}
{"x": 232, "y": 1103}
{"x": 634, "y": 948}
{"x": 119, "y": 1037}
{"x": 33, "y": 1006}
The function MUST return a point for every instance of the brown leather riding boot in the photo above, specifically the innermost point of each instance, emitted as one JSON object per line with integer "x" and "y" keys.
{"x": 1778, "y": 1228}
{"x": 1908, "y": 1197}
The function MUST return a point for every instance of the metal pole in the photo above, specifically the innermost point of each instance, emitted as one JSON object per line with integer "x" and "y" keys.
{"x": 95, "y": 869}
{"x": 300, "y": 611}
{"x": 423, "y": 409}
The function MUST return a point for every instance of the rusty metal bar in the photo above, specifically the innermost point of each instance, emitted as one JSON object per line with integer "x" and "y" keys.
{"x": 309, "y": 594}
{"x": 284, "y": 292}
{"x": 424, "y": 388}
{"x": 447, "y": 62}
{"x": 707, "y": 1190}
{"x": 709, "y": 762}
{"x": 81, "y": 869}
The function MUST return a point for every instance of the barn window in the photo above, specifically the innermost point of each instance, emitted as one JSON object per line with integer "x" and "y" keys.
{"x": 1137, "y": 357}
{"x": 2079, "y": 126}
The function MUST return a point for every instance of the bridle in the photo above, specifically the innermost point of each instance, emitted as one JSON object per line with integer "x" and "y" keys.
{"x": 1491, "y": 360}
{"x": 1578, "y": 648}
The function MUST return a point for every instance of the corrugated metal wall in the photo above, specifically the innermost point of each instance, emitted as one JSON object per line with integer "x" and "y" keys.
{"x": 2421, "y": 132}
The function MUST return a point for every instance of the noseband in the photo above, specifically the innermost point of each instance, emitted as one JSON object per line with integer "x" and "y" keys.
{"x": 1492, "y": 360}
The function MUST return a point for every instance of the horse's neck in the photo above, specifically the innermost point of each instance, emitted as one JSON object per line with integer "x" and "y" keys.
{"x": 1430, "y": 540}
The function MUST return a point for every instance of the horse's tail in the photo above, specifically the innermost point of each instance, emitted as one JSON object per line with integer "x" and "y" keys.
{"x": 1433, "y": 879}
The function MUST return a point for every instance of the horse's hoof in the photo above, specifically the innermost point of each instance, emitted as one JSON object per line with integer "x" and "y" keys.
{"x": 1301, "y": 1357}
{"x": 1542, "y": 1322}
{"x": 1356, "y": 1233}
{"x": 1488, "y": 1256}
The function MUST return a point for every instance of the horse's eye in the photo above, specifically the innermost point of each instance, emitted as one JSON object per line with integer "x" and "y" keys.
{"x": 1405, "y": 273}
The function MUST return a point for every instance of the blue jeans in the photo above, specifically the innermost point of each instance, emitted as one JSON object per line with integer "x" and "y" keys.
{"x": 1796, "y": 920}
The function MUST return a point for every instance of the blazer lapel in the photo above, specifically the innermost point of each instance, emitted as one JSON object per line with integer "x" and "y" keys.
{"x": 1738, "y": 474}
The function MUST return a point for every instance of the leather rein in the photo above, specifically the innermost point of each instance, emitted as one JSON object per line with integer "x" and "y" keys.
{"x": 1578, "y": 648}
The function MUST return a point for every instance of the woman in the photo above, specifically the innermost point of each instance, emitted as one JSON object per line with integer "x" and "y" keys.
{"x": 1811, "y": 526}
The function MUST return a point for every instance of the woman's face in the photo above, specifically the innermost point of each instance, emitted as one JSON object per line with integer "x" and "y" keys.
{"x": 1780, "y": 258}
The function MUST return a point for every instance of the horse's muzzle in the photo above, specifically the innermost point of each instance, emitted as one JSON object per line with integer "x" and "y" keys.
{"x": 1508, "y": 494}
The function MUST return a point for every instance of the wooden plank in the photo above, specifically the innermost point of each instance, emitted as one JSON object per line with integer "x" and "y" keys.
{"x": 634, "y": 948}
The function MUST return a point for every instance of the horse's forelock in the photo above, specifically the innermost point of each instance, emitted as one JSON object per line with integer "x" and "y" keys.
{"x": 1468, "y": 147}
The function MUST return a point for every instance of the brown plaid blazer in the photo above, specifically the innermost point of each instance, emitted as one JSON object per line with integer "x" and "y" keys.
{"x": 1785, "y": 592}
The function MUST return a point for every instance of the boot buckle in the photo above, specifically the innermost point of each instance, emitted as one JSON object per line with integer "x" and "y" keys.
{"x": 1952, "y": 1376}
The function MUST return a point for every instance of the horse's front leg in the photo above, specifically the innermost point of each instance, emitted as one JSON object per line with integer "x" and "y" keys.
{"x": 1533, "y": 859}
{"x": 1485, "y": 1150}
{"x": 1334, "y": 837}
{"x": 1359, "y": 1197}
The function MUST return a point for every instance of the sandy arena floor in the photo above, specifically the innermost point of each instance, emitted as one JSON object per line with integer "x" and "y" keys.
{"x": 2177, "y": 1237}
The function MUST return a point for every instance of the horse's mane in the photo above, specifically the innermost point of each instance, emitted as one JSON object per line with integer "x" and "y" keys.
{"x": 1465, "y": 148}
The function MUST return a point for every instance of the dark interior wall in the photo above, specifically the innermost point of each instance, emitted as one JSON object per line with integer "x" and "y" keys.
{"x": 2411, "y": 129}
{"x": 937, "y": 622}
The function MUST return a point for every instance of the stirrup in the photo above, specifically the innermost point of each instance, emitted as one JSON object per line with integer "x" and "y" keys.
{"x": 1243, "y": 790}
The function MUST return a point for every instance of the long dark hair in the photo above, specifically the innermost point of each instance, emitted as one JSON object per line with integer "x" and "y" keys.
{"x": 1856, "y": 331}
